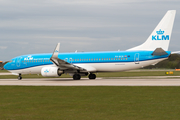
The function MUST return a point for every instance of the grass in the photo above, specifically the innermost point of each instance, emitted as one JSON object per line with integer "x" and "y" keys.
{"x": 3, "y": 71}
{"x": 107, "y": 74}
{"x": 87, "y": 103}
{"x": 29, "y": 76}
{"x": 137, "y": 73}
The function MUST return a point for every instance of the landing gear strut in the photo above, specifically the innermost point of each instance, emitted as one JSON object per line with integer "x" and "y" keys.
{"x": 19, "y": 77}
{"x": 76, "y": 76}
{"x": 92, "y": 76}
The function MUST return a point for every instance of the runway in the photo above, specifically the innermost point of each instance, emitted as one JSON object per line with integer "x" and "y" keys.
{"x": 98, "y": 82}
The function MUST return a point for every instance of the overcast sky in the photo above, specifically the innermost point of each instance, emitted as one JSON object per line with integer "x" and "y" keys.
{"x": 36, "y": 26}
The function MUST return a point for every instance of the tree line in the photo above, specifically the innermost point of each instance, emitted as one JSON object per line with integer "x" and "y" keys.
{"x": 173, "y": 62}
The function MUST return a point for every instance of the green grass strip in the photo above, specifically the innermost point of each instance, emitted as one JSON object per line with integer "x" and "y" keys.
{"x": 89, "y": 103}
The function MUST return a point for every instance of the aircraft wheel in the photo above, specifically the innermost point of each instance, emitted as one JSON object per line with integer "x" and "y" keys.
{"x": 76, "y": 76}
{"x": 19, "y": 78}
{"x": 92, "y": 76}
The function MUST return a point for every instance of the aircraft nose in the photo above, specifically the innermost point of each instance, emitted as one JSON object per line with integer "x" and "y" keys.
{"x": 6, "y": 66}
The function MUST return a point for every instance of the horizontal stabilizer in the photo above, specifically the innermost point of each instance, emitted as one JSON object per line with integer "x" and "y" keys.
{"x": 176, "y": 52}
{"x": 159, "y": 52}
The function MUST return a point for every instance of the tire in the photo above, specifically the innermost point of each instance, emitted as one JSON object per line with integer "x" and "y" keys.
{"x": 19, "y": 78}
{"x": 92, "y": 76}
{"x": 76, "y": 76}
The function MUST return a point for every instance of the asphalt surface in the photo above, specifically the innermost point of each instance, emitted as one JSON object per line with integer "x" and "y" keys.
{"x": 157, "y": 81}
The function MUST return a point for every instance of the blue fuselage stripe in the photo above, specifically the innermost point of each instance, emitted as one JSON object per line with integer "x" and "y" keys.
{"x": 28, "y": 61}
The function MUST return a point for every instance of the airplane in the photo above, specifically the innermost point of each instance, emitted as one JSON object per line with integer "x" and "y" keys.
{"x": 152, "y": 51}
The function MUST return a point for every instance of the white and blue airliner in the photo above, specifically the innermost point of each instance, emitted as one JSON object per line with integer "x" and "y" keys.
{"x": 152, "y": 51}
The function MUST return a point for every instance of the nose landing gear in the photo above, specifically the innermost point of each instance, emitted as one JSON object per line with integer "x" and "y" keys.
{"x": 19, "y": 77}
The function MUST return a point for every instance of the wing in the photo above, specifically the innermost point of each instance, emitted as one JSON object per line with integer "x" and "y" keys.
{"x": 63, "y": 65}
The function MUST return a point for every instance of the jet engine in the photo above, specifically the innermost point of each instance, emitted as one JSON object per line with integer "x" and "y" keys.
{"x": 51, "y": 72}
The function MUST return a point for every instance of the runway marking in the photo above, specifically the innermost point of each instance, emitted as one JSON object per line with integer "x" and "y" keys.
{"x": 87, "y": 82}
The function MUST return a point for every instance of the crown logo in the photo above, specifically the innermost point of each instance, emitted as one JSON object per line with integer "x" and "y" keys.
{"x": 160, "y": 32}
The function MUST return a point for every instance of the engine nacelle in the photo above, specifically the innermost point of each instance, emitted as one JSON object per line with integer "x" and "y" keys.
{"x": 51, "y": 72}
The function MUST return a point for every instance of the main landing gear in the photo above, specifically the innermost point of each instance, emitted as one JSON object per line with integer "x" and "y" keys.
{"x": 92, "y": 76}
{"x": 19, "y": 77}
{"x": 78, "y": 76}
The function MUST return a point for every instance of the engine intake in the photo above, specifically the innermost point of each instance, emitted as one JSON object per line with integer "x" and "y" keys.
{"x": 51, "y": 72}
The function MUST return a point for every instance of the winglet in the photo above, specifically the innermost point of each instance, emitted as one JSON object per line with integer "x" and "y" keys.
{"x": 56, "y": 51}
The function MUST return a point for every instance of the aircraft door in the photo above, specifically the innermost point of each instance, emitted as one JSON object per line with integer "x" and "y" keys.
{"x": 70, "y": 60}
{"x": 136, "y": 58}
{"x": 18, "y": 62}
